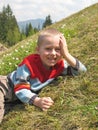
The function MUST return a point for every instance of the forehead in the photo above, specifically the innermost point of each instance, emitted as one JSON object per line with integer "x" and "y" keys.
{"x": 50, "y": 40}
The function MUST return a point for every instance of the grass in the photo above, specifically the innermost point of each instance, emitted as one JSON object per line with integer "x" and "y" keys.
{"x": 75, "y": 98}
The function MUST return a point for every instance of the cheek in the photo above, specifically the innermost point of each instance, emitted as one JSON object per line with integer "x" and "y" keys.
{"x": 43, "y": 53}
{"x": 59, "y": 54}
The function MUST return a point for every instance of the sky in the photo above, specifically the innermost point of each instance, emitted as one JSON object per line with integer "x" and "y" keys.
{"x": 57, "y": 9}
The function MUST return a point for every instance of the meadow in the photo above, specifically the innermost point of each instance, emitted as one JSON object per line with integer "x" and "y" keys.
{"x": 75, "y": 98}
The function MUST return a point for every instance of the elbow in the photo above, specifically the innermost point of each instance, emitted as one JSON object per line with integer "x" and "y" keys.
{"x": 83, "y": 69}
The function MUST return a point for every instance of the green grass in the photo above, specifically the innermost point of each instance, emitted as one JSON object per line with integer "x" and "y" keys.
{"x": 75, "y": 98}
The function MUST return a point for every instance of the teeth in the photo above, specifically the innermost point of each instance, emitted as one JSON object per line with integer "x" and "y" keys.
{"x": 52, "y": 59}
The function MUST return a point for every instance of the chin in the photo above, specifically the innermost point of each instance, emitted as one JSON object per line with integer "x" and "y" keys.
{"x": 51, "y": 65}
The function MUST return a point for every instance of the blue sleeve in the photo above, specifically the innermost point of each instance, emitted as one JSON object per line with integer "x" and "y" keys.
{"x": 25, "y": 95}
{"x": 20, "y": 78}
{"x": 22, "y": 73}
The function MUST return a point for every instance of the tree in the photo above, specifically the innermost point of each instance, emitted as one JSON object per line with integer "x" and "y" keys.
{"x": 9, "y": 30}
{"x": 3, "y": 30}
{"x": 22, "y": 35}
{"x": 30, "y": 30}
{"x": 47, "y": 22}
{"x": 13, "y": 36}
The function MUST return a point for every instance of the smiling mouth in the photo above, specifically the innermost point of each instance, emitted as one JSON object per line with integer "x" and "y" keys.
{"x": 52, "y": 59}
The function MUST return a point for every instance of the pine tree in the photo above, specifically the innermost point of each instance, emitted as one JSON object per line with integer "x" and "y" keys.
{"x": 48, "y": 21}
{"x": 30, "y": 30}
{"x": 3, "y": 30}
{"x": 9, "y": 30}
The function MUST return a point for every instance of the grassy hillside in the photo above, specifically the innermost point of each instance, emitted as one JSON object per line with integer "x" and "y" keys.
{"x": 75, "y": 98}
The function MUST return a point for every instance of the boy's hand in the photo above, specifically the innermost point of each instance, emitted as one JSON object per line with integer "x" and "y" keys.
{"x": 65, "y": 53}
{"x": 44, "y": 103}
{"x": 63, "y": 46}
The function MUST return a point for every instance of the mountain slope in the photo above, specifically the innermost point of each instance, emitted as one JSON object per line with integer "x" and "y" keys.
{"x": 75, "y": 98}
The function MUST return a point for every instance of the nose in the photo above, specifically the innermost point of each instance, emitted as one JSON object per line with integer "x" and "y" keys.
{"x": 53, "y": 52}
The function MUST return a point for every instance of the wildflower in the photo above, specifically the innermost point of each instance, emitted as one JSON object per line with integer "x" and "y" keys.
{"x": 16, "y": 50}
{"x": 22, "y": 46}
{"x": 17, "y": 58}
{"x": 13, "y": 58}
{"x": 96, "y": 107}
{"x": 16, "y": 65}
{"x": 27, "y": 43}
{"x": 10, "y": 63}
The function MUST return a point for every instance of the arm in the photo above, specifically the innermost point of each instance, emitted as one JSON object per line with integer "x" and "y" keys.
{"x": 23, "y": 91}
{"x": 72, "y": 65}
{"x": 26, "y": 96}
{"x": 65, "y": 53}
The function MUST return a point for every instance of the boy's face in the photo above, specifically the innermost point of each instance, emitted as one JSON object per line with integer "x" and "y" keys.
{"x": 49, "y": 51}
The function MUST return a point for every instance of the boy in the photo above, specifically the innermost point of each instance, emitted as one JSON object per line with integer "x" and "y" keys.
{"x": 38, "y": 70}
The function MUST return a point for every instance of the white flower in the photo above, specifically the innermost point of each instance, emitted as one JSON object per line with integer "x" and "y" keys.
{"x": 22, "y": 46}
{"x": 16, "y": 50}
{"x": 13, "y": 58}
{"x": 10, "y": 63}
{"x": 17, "y": 58}
{"x": 27, "y": 43}
{"x": 16, "y": 65}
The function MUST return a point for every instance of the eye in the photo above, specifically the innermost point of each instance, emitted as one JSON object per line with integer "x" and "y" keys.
{"x": 48, "y": 49}
{"x": 57, "y": 49}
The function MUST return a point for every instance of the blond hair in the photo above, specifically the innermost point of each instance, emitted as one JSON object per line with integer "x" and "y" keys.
{"x": 47, "y": 32}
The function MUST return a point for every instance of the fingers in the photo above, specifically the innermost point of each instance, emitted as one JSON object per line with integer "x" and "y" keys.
{"x": 49, "y": 100}
{"x": 46, "y": 103}
{"x": 63, "y": 46}
{"x": 62, "y": 40}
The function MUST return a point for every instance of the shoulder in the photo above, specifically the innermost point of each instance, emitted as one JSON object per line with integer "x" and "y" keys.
{"x": 32, "y": 57}
{"x": 29, "y": 59}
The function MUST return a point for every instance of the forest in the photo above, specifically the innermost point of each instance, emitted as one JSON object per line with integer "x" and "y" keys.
{"x": 10, "y": 33}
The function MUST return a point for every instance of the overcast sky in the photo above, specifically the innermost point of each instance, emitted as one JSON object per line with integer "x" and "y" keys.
{"x": 57, "y": 9}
